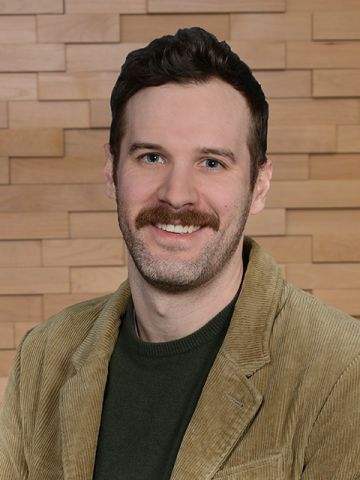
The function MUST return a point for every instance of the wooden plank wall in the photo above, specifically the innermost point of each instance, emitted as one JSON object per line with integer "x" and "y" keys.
{"x": 59, "y": 241}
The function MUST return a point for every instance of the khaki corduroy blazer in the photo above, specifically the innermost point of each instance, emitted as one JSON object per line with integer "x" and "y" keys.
{"x": 282, "y": 400}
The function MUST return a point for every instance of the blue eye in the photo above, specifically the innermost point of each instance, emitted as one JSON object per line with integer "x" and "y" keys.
{"x": 152, "y": 158}
{"x": 212, "y": 164}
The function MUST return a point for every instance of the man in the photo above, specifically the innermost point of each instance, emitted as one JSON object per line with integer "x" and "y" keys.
{"x": 206, "y": 364}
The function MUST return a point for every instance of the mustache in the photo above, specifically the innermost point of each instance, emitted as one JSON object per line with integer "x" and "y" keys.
{"x": 165, "y": 215}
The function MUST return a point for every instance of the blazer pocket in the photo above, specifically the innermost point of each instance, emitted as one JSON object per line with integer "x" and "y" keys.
{"x": 269, "y": 468}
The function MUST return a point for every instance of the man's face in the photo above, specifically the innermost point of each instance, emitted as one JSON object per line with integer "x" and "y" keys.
{"x": 183, "y": 179}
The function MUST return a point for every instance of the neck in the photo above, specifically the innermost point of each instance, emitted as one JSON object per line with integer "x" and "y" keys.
{"x": 163, "y": 316}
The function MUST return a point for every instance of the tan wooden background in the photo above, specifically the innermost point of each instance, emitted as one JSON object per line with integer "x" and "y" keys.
{"x": 59, "y": 241}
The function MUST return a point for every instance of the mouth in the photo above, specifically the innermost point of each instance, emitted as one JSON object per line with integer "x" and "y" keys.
{"x": 179, "y": 229}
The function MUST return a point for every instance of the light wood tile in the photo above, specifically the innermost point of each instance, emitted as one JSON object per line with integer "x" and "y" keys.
{"x": 310, "y": 222}
{"x": 54, "y": 303}
{"x": 324, "y": 276}
{"x": 3, "y": 115}
{"x": 335, "y": 166}
{"x": 100, "y": 113}
{"x": 337, "y": 25}
{"x": 268, "y": 222}
{"x": 17, "y": 29}
{"x": 285, "y": 84}
{"x": 27, "y": 308}
{"x": 49, "y": 114}
{"x": 94, "y": 225}
{"x": 336, "y": 83}
{"x": 6, "y": 362}
{"x": 272, "y": 26}
{"x": 86, "y": 143}
{"x": 302, "y": 139}
{"x": 54, "y": 198}
{"x": 290, "y": 167}
{"x": 345, "y": 300}
{"x": 83, "y": 252}
{"x": 105, "y": 6}
{"x": 32, "y": 57}
{"x": 57, "y": 170}
{"x": 22, "y": 7}
{"x": 289, "y": 249}
{"x": 323, "y": 55}
{"x": 19, "y": 86}
{"x": 20, "y": 253}
{"x": 314, "y": 194}
{"x": 337, "y": 247}
{"x": 96, "y": 279}
{"x": 31, "y": 142}
{"x": 321, "y": 5}
{"x": 7, "y": 336}
{"x": 77, "y": 86}
{"x": 170, "y": 6}
{"x": 98, "y": 57}
{"x": 144, "y": 28}
{"x": 32, "y": 280}
{"x": 4, "y": 170}
{"x": 349, "y": 138}
{"x": 78, "y": 28}
{"x": 260, "y": 54}
{"x": 33, "y": 225}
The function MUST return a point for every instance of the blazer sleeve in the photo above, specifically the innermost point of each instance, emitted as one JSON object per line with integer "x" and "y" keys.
{"x": 333, "y": 450}
{"x": 12, "y": 457}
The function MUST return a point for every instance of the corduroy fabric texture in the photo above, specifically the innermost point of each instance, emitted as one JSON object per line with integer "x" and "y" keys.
{"x": 281, "y": 401}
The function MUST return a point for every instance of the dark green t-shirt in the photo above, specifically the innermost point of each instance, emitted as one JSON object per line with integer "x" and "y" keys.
{"x": 151, "y": 393}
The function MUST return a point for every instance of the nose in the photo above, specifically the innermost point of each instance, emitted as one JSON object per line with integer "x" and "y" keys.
{"x": 178, "y": 187}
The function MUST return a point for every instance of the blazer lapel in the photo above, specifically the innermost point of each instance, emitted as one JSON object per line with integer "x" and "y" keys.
{"x": 227, "y": 405}
{"x": 81, "y": 397}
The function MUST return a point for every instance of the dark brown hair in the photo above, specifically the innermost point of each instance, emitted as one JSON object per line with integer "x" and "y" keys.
{"x": 192, "y": 55}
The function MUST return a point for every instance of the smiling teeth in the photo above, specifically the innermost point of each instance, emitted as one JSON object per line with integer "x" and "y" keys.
{"x": 178, "y": 228}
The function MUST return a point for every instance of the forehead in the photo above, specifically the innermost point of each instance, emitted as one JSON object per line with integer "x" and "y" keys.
{"x": 213, "y": 109}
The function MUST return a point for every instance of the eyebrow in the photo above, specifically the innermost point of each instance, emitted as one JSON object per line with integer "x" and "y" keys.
{"x": 222, "y": 152}
{"x": 133, "y": 147}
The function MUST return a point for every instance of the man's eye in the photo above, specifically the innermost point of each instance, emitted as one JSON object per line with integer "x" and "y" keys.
{"x": 212, "y": 164}
{"x": 152, "y": 158}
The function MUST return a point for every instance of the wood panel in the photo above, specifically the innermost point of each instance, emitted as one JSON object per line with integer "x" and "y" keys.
{"x": 349, "y": 138}
{"x": 169, "y": 6}
{"x": 83, "y": 252}
{"x": 7, "y": 335}
{"x": 336, "y": 83}
{"x": 31, "y": 142}
{"x": 338, "y": 25}
{"x": 54, "y": 303}
{"x": 287, "y": 83}
{"x": 105, "y": 6}
{"x": 302, "y": 139}
{"x": 100, "y": 113}
{"x": 20, "y": 253}
{"x": 337, "y": 247}
{"x": 290, "y": 166}
{"x": 96, "y": 279}
{"x": 78, "y": 28}
{"x": 321, "y": 5}
{"x": 282, "y": 26}
{"x": 268, "y": 222}
{"x": 323, "y": 55}
{"x": 289, "y": 249}
{"x": 315, "y": 194}
{"x": 22, "y": 7}
{"x": 49, "y": 114}
{"x": 6, "y": 362}
{"x": 17, "y": 308}
{"x": 346, "y": 300}
{"x": 17, "y": 29}
{"x": 31, "y": 280}
{"x": 94, "y": 225}
{"x": 260, "y": 54}
{"x": 55, "y": 198}
{"x": 309, "y": 222}
{"x": 4, "y": 170}
{"x": 32, "y": 57}
{"x": 324, "y": 276}
{"x": 33, "y": 225}
{"x": 85, "y": 143}
{"x": 335, "y": 166}
{"x": 3, "y": 115}
{"x": 78, "y": 86}
{"x": 19, "y": 86}
{"x": 144, "y": 28}
{"x": 56, "y": 170}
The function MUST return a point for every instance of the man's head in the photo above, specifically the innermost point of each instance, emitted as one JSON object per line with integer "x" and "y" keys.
{"x": 195, "y": 56}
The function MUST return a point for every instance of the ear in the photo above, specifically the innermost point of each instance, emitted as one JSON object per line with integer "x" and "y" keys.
{"x": 108, "y": 172}
{"x": 261, "y": 188}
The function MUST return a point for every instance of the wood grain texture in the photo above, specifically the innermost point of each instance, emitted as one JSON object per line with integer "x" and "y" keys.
{"x": 7, "y": 335}
{"x": 335, "y": 166}
{"x": 323, "y": 55}
{"x": 20, "y": 253}
{"x": 20, "y": 308}
{"x": 337, "y": 247}
{"x": 85, "y": 143}
{"x": 54, "y": 303}
{"x": 321, "y": 5}
{"x": 285, "y": 84}
{"x": 272, "y": 26}
{"x": 302, "y": 139}
{"x": 31, "y": 142}
{"x": 260, "y": 54}
{"x": 3, "y": 115}
{"x": 17, "y": 29}
{"x": 170, "y": 6}
{"x": 289, "y": 249}
{"x": 19, "y": 86}
{"x": 100, "y": 113}
{"x": 336, "y": 83}
{"x": 268, "y": 222}
{"x": 105, "y": 6}
{"x": 144, "y": 28}
{"x": 348, "y": 138}
{"x": 33, "y": 225}
{"x": 324, "y": 276}
{"x": 96, "y": 279}
{"x": 346, "y": 300}
{"x": 22, "y": 7}
{"x": 4, "y": 170}
{"x": 310, "y": 222}
{"x": 30, "y": 280}
{"x": 94, "y": 225}
{"x": 6, "y": 362}
{"x": 78, "y": 28}
{"x": 290, "y": 166}
{"x": 338, "y": 25}
{"x": 32, "y": 57}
